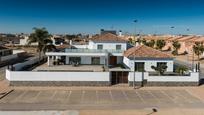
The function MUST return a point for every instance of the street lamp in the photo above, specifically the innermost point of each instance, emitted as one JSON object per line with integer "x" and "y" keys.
{"x": 135, "y": 21}
{"x": 188, "y": 49}
{"x": 172, "y": 27}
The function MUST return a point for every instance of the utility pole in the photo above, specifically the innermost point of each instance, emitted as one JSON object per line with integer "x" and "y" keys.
{"x": 135, "y": 21}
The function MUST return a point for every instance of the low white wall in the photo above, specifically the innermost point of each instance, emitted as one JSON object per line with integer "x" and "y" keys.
{"x": 8, "y": 57}
{"x": 18, "y": 51}
{"x": 194, "y": 77}
{"x": 56, "y": 76}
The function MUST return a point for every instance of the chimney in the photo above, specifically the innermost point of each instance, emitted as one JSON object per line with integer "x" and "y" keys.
{"x": 120, "y": 33}
{"x": 70, "y": 42}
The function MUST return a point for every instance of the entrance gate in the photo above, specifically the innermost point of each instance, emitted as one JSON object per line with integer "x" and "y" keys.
{"x": 119, "y": 77}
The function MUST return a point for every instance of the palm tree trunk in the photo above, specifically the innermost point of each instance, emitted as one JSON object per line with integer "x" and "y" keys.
{"x": 39, "y": 57}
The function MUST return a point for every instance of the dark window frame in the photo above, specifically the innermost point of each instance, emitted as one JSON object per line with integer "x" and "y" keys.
{"x": 119, "y": 46}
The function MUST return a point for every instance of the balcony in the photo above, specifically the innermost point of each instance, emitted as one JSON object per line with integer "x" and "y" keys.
{"x": 92, "y": 51}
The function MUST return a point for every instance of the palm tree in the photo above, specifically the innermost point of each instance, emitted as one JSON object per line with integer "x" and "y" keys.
{"x": 181, "y": 69}
{"x": 176, "y": 46}
{"x": 43, "y": 38}
{"x": 198, "y": 49}
{"x": 150, "y": 43}
{"x": 160, "y": 69}
{"x": 160, "y": 44}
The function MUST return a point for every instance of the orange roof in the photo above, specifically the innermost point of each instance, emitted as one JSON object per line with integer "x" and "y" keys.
{"x": 108, "y": 37}
{"x": 154, "y": 37}
{"x": 143, "y": 51}
{"x": 199, "y": 39}
{"x": 186, "y": 38}
{"x": 63, "y": 46}
{"x": 174, "y": 38}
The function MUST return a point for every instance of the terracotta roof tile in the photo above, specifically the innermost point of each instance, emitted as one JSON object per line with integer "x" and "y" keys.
{"x": 108, "y": 37}
{"x": 186, "y": 38}
{"x": 143, "y": 51}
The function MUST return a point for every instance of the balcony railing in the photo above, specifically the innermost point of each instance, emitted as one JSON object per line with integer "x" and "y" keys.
{"x": 92, "y": 51}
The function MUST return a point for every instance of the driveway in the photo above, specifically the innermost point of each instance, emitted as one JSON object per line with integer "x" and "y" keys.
{"x": 98, "y": 99}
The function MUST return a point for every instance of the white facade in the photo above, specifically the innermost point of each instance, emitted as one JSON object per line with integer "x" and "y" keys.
{"x": 87, "y": 59}
{"x": 107, "y": 46}
{"x": 25, "y": 41}
{"x": 148, "y": 63}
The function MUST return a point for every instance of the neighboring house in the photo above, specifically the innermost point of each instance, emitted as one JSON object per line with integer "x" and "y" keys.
{"x": 184, "y": 45}
{"x": 142, "y": 58}
{"x": 24, "y": 41}
{"x": 6, "y": 54}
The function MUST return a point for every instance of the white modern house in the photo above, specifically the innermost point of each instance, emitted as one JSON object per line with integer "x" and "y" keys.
{"x": 104, "y": 61}
{"x": 106, "y": 49}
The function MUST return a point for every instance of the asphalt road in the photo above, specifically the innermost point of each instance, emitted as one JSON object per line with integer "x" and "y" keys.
{"x": 98, "y": 99}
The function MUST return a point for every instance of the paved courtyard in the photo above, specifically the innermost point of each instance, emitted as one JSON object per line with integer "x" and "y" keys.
{"x": 98, "y": 99}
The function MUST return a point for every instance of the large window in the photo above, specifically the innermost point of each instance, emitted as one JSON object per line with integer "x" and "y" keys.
{"x": 161, "y": 63}
{"x": 74, "y": 60}
{"x": 118, "y": 47}
{"x": 95, "y": 60}
{"x": 99, "y": 47}
{"x": 139, "y": 66}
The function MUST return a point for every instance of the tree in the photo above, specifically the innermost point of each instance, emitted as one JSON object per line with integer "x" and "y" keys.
{"x": 42, "y": 37}
{"x": 150, "y": 43}
{"x": 160, "y": 44}
{"x": 144, "y": 41}
{"x": 198, "y": 49}
{"x": 176, "y": 46}
{"x": 181, "y": 69}
{"x": 160, "y": 69}
{"x": 130, "y": 40}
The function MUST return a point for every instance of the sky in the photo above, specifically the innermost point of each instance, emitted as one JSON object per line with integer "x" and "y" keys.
{"x": 89, "y": 16}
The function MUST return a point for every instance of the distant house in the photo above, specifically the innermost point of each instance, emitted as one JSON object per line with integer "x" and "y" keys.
{"x": 142, "y": 58}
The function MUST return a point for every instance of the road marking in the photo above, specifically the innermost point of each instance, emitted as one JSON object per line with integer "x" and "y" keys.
{"x": 139, "y": 96}
{"x": 82, "y": 96}
{"x": 53, "y": 95}
{"x": 68, "y": 97}
{"x": 195, "y": 96}
{"x": 158, "y": 100}
{"x": 97, "y": 100}
{"x": 167, "y": 96}
{"x": 125, "y": 95}
{"x": 111, "y": 96}
{"x": 37, "y": 95}
{"x": 18, "y": 97}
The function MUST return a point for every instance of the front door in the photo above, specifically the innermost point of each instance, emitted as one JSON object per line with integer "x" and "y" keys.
{"x": 113, "y": 60}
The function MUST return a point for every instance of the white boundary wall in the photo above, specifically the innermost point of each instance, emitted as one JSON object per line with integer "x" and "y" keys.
{"x": 56, "y": 76}
{"x": 194, "y": 77}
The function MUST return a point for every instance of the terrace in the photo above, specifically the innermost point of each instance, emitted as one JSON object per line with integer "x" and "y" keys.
{"x": 70, "y": 68}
